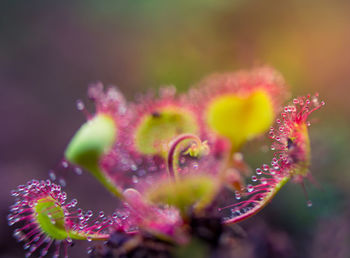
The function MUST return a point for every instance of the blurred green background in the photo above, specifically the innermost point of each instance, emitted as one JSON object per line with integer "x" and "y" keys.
{"x": 51, "y": 50}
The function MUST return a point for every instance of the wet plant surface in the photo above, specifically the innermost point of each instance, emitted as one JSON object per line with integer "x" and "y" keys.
{"x": 226, "y": 163}
{"x": 187, "y": 147}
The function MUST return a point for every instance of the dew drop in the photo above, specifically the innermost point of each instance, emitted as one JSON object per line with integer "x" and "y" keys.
{"x": 62, "y": 182}
{"x": 250, "y": 188}
{"x": 11, "y": 222}
{"x": 237, "y": 195}
{"x": 64, "y": 164}
{"x": 254, "y": 178}
{"x": 17, "y": 234}
{"x": 90, "y": 250}
{"x": 89, "y": 239}
{"x": 80, "y": 105}
{"x": 135, "y": 179}
{"x": 52, "y": 175}
{"x": 78, "y": 171}
{"x": 14, "y": 193}
{"x": 258, "y": 171}
{"x": 309, "y": 203}
{"x": 74, "y": 202}
{"x": 36, "y": 239}
{"x": 265, "y": 167}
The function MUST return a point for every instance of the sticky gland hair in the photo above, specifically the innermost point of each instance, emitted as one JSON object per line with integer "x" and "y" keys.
{"x": 291, "y": 160}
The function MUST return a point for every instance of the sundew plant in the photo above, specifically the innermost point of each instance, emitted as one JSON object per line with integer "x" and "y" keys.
{"x": 174, "y": 164}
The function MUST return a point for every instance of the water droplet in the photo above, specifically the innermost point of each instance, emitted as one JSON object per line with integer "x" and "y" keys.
{"x": 101, "y": 214}
{"x": 78, "y": 171}
{"x": 135, "y": 179}
{"x": 36, "y": 239}
{"x": 309, "y": 203}
{"x": 64, "y": 164}
{"x": 254, "y": 178}
{"x": 89, "y": 239}
{"x": 14, "y": 193}
{"x": 52, "y": 175}
{"x": 62, "y": 182}
{"x": 80, "y": 105}
{"x": 90, "y": 250}
{"x": 263, "y": 180}
{"x": 74, "y": 202}
{"x": 237, "y": 195}
{"x": 43, "y": 252}
{"x": 17, "y": 234}
{"x": 258, "y": 171}
{"x": 89, "y": 213}
{"x": 250, "y": 188}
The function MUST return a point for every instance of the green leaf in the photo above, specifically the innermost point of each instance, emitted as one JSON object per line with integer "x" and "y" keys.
{"x": 94, "y": 139}
{"x": 197, "y": 191}
{"x": 156, "y": 130}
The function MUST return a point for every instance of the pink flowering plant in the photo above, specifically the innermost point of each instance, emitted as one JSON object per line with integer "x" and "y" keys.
{"x": 174, "y": 164}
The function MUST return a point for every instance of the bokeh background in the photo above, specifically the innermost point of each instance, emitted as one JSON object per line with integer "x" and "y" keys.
{"x": 51, "y": 50}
